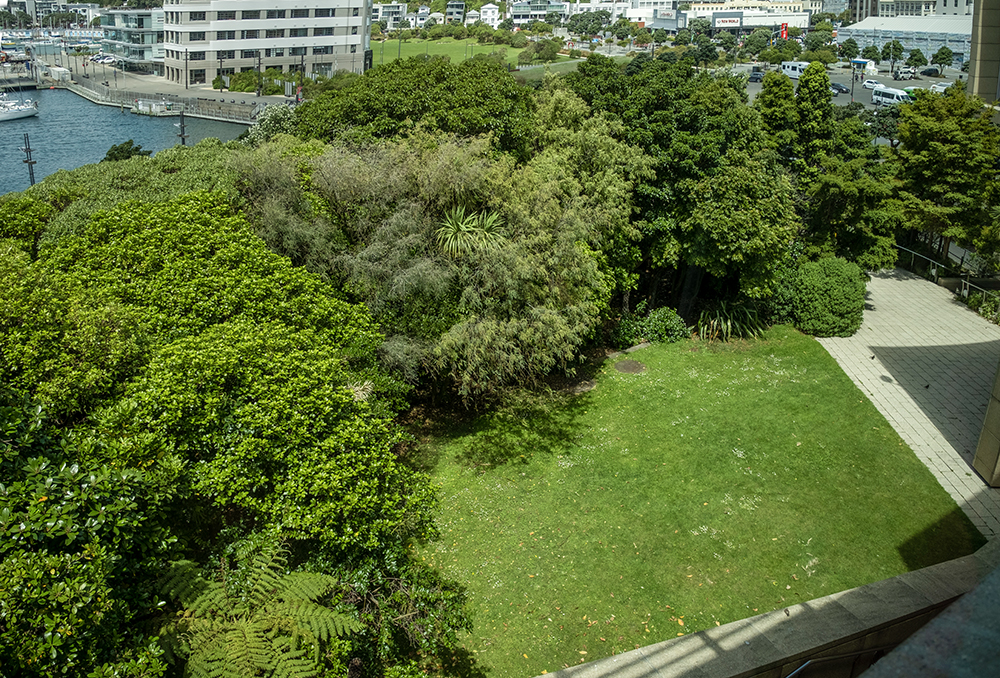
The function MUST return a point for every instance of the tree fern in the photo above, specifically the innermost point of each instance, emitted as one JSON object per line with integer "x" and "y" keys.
{"x": 272, "y": 626}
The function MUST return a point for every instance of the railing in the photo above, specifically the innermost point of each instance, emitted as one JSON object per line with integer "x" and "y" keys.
{"x": 965, "y": 286}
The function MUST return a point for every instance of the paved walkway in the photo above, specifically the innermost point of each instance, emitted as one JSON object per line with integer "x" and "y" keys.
{"x": 928, "y": 363}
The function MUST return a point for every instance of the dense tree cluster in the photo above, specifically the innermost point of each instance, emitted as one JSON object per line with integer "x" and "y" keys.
{"x": 204, "y": 353}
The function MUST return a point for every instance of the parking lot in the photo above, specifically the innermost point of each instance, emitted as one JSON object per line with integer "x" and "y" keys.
{"x": 862, "y": 95}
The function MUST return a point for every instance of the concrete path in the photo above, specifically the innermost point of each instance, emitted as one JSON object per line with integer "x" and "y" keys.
{"x": 927, "y": 363}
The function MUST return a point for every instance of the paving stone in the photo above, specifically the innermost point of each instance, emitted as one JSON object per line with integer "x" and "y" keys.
{"x": 921, "y": 337}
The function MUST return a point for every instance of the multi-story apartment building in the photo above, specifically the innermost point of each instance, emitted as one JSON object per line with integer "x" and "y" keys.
{"x": 207, "y": 38}
{"x": 891, "y": 8}
{"x": 489, "y": 14}
{"x": 136, "y": 37}
{"x": 523, "y": 12}
{"x": 391, "y": 13}
{"x": 454, "y": 11}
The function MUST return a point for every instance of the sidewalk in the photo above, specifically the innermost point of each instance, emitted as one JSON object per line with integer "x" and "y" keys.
{"x": 927, "y": 363}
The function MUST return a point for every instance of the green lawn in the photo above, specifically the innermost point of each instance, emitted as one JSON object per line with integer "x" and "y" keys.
{"x": 457, "y": 50}
{"x": 723, "y": 481}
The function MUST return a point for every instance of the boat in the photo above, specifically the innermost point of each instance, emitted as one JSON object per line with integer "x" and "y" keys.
{"x": 15, "y": 110}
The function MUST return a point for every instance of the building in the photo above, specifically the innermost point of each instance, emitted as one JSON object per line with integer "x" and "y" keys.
{"x": 954, "y": 7}
{"x": 454, "y": 11}
{"x": 136, "y": 37}
{"x": 926, "y": 33}
{"x": 984, "y": 70}
{"x": 891, "y": 8}
{"x": 523, "y": 12}
{"x": 392, "y": 14}
{"x": 207, "y": 38}
{"x": 490, "y": 15}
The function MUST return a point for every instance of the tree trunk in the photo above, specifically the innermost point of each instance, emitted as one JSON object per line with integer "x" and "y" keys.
{"x": 692, "y": 285}
{"x": 944, "y": 249}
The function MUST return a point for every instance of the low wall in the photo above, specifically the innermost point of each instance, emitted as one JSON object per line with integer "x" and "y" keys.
{"x": 838, "y": 635}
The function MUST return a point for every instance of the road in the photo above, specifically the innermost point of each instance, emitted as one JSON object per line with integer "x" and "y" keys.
{"x": 843, "y": 76}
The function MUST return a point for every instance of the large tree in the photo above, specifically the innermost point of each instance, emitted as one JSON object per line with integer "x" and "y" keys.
{"x": 779, "y": 113}
{"x": 892, "y": 52}
{"x": 948, "y": 157}
{"x": 944, "y": 57}
{"x": 815, "y": 119}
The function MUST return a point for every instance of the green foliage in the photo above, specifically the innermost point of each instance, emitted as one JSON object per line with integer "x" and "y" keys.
{"x": 273, "y": 120}
{"x": 830, "y": 298}
{"x": 725, "y": 320}
{"x": 22, "y": 222}
{"x": 916, "y": 59}
{"x": 947, "y": 159}
{"x": 944, "y": 57}
{"x": 974, "y": 301}
{"x": 779, "y": 112}
{"x": 849, "y": 49}
{"x": 476, "y": 96}
{"x": 663, "y": 325}
{"x": 124, "y": 151}
{"x": 872, "y": 53}
{"x": 76, "y": 543}
{"x": 815, "y": 120}
{"x": 460, "y": 233}
{"x": 266, "y": 622}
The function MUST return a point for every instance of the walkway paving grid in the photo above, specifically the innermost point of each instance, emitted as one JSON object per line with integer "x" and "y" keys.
{"x": 928, "y": 362}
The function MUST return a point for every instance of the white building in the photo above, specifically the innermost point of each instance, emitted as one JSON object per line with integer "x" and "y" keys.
{"x": 490, "y": 15}
{"x": 136, "y": 37}
{"x": 391, "y": 13}
{"x": 206, "y": 38}
{"x": 926, "y": 33}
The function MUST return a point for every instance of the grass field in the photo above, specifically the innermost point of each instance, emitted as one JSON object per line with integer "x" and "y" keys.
{"x": 456, "y": 50}
{"x": 723, "y": 481}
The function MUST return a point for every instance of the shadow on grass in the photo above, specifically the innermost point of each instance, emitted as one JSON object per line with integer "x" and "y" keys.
{"x": 464, "y": 664}
{"x": 951, "y": 536}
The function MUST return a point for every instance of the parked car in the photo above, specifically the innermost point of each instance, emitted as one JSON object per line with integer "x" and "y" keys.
{"x": 930, "y": 71}
{"x": 940, "y": 87}
{"x": 756, "y": 76}
{"x": 834, "y": 92}
{"x": 871, "y": 84}
{"x": 843, "y": 89}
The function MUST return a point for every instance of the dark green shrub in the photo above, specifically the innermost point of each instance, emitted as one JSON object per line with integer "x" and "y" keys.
{"x": 830, "y": 298}
{"x": 663, "y": 325}
{"x": 988, "y": 308}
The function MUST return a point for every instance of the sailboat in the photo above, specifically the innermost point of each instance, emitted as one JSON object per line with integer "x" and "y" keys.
{"x": 15, "y": 110}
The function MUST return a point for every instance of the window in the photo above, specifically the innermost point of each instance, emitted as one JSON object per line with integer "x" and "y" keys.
{"x": 323, "y": 31}
{"x": 354, "y": 12}
{"x": 251, "y": 14}
{"x": 297, "y": 51}
{"x": 225, "y": 35}
{"x": 196, "y": 36}
{"x": 227, "y": 54}
{"x": 249, "y": 35}
{"x": 354, "y": 48}
{"x": 196, "y": 56}
{"x": 274, "y": 52}
{"x": 322, "y": 12}
{"x": 248, "y": 54}
{"x": 274, "y": 33}
{"x": 196, "y": 16}
{"x": 198, "y": 76}
{"x": 227, "y": 71}
{"x": 226, "y": 16}
{"x": 275, "y": 14}
{"x": 298, "y": 32}
{"x": 354, "y": 30}
{"x": 300, "y": 13}
{"x": 322, "y": 50}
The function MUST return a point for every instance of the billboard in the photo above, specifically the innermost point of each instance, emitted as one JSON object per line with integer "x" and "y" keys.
{"x": 784, "y": 31}
{"x": 728, "y": 22}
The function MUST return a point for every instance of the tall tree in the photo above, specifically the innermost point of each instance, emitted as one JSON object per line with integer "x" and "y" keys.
{"x": 916, "y": 59}
{"x": 779, "y": 113}
{"x": 815, "y": 119}
{"x": 948, "y": 157}
{"x": 944, "y": 57}
{"x": 849, "y": 49}
{"x": 892, "y": 52}
{"x": 871, "y": 53}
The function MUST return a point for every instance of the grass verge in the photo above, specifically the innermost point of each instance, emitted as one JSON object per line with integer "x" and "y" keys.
{"x": 722, "y": 481}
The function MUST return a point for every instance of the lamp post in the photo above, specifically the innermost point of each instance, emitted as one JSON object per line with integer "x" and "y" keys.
{"x": 222, "y": 84}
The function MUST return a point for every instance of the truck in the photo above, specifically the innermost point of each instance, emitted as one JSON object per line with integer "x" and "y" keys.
{"x": 794, "y": 69}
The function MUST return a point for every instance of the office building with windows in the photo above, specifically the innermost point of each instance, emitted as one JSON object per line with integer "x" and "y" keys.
{"x": 136, "y": 37}
{"x": 207, "y": 38}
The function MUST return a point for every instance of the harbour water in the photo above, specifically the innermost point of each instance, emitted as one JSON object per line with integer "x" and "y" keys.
{"x": 70, "y": 131}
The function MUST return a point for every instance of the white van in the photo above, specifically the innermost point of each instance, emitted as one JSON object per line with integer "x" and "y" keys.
{"x": 887, "y": 96}
{"x": 794, "y": 69}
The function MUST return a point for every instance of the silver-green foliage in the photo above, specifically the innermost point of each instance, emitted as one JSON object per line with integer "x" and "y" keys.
{"x": 272, "y": 623}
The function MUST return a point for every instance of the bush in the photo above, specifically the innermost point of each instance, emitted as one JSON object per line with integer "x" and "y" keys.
{"x": 830, "y": 298}
{"x": 974, "y": 301}
{"x": 722, "y": 321}
{"x": 988, "y": 308}
{"x": 663, "y": 325}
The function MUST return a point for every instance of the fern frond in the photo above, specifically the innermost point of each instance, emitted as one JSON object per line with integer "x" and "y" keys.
{"x": 268, "y": 568}
{"x": 323, "y": 623}
{"x": 306, "y": 586}
{"x": 295, "y": 663}
{"x": 183, "y": 580}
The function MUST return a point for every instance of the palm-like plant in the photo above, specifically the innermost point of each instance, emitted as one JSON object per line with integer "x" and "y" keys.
{"x": 460, "y": 233}
{"x": 270, "y": 626}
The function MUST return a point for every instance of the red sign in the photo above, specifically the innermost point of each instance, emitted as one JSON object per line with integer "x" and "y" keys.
{"x": 784, "y": 31}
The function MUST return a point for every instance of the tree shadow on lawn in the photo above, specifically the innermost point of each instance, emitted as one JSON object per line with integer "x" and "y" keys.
{"x": 951, "y": 536}
{"x": 525, "y": 425}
